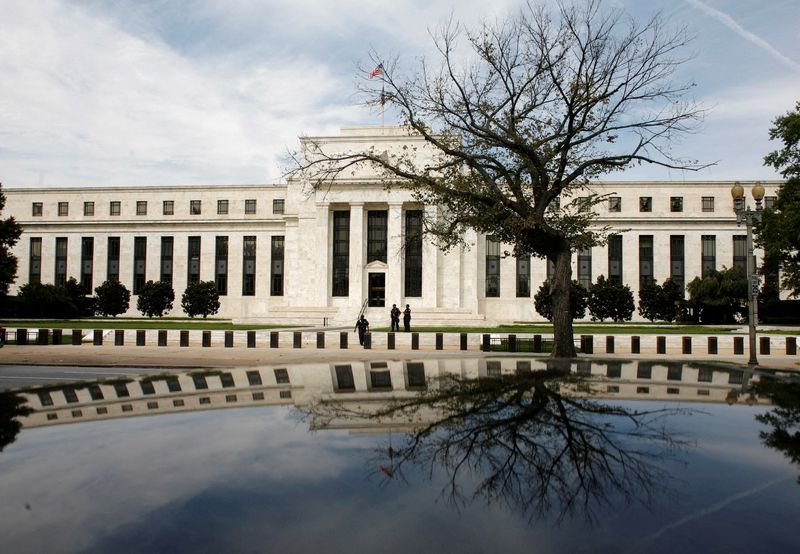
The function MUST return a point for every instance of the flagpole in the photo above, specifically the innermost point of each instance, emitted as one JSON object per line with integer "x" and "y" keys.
{"x": 383, "y": 109}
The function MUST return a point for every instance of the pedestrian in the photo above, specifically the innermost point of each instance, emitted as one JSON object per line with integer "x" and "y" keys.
{"x": 362, "y": 326}
{"x": 407, "y": 318}
{"x": 394, "y": 315}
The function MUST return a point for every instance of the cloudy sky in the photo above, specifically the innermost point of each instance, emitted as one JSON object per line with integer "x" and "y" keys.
{"x": 149, "y": 92}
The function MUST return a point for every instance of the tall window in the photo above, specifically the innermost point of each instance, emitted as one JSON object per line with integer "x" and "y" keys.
{"x": 167, "y": 252}
{"x": 523, "y": 276}
{"x": 341, "y": 253}
{"x": 221, "y": 265}
{"x": 63, "y": 208}
{"x": 139, "y": 263}
{"x": 193, "y": 275}
{"x": 492, "y": 267}
{"x": 708, "y": 203}
{"x": 709, "y": 254}
{"x": 740, "y": 252}
{"x": 615, "y": 258}
{"x": 676, "y": 263}
{"x": 377, "y": 221}
{"x": 276, "y": 267}
{"x": 87, "y": 264}
{"x": 195, "y": 207}
{"x": 250, "y": 206}
{"x": 413, "y": 252}
{"x": 645, "y": 260}
{"x": 141, "y": 207}
{"x": 222, "y": 207}
{"x": 585, "y": 267}
{"x": 88, "y": 209}
{"x": 61, "y": 261}
{"x": 249, "y": 267}
{"x": 168, "y": 207}
{"x": 114, "y": 207}
{"x": 35, "y": 261}
{"x": 112, "y": 260}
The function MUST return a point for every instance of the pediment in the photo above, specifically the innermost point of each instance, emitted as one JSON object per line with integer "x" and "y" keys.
{"x": 376, "y": 264}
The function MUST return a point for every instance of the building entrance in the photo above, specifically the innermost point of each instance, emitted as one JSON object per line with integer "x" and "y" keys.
{"x": 377, "y": 290}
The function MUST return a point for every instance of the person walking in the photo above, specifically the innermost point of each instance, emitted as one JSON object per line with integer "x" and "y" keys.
{"x": 362, "y": 326}
{"x": 406, "y": 319}
{"x": 394, "y": 315}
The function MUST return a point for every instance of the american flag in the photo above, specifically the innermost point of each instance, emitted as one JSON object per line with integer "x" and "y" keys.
{"x": 378, "y": 71}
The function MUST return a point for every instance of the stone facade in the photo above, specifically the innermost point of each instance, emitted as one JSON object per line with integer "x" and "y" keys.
{"x": 298, "y": 286}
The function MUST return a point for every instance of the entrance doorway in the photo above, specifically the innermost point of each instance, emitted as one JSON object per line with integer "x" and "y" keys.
{"x": 377, "y": 290}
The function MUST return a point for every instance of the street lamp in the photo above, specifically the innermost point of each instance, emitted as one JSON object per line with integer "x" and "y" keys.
{"x": 744, "y": 213}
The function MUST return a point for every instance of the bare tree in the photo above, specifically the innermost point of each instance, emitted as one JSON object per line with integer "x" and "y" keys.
{"x": 517, "y": 124}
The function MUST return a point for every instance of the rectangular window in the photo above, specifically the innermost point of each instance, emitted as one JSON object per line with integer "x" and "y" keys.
{"x": 35, "y": 261}
{"x": 277, "y": 206}
{"x": 740, "y": 252}
{"x": 674, "y": 372}
{"x": 173, "y": 385}
{"x": 615, "y": 259}
{"x": 221, "y": 265}
{"x": 676, "y": 204}
{"x": 415, "y": 372}
{"x": 276, "y": 267}
{"x": 249, "y": 267}
{"x": 281, "y": 376}
{"x": 377, "y": 222}
{"x": 585, "y": 267}
{"x": 168, "y": 207}
{"x": 413, "y": 253}
{"x": 112, "y": 260}
{"x": 344, "y": 378}
{"x": 141, "y": 207}
{"x": 122, "y": 390}
{"x": 147, "y": 387}
{"x": 523, "y": 276}
{"x": 492, "y": 267}
{"x": 87, "y": 264}
{"x": 615, "y": 204}
{"x": 193, "y": 268}
{"x": 705, "y": 375}
{"x": 708, "y": 203}
{"x": 226, "y": 379}
{"x": 114, "y": 207}
{"x": 36, "y": 209}
{"x": 222, "y": 207}
{"x": 167, "y": 252}
{"x": 249, "y": 207}
{"x": 200, "y": 382}
{"x": 61, "y": 261}
{"x": 195, "y": 207}
{"x": 341, "y": 254}
{"x": 139, "y": 263}
{"x": 646, "y": 276}
{"x": 676, "y": 261}
{"x": 769, "y": 202}
{"x": 63, "y": 208}
{"x": 254, "y": 378}
{"x": 88, "y": 209}
{"x": 709, "y": 253}
{"x": 645, "y": 203}
{"x": 380, "y": 380}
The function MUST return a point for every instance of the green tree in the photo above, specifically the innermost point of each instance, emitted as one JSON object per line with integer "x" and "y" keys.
{"x": 47, "y": 301}
{"x": 155, "y": 298}
{"x": 578, "y": 298}
{"x": 610, "y": 300}
{"x": 514, "y": 120}
{"x": 201, "y": 298}
{"x": 720, "y": 296}
{"x": 661, "y": 302}
{"x": 112, "y": 298}
{"x": 10, "y": 232}
{"x": 779, "y": 231}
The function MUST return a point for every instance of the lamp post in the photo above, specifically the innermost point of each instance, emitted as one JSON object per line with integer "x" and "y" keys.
{"x": 744, "y": 213}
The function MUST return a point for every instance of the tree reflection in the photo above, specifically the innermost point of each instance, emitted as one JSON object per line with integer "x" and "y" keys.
{"x": 783, "y": 418}
{"x": 12, "y": 407}
{"x": 539, "y": 442}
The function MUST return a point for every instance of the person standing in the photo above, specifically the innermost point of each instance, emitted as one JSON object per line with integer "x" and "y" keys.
{"x": 407, "y": 318}
{"x": 395, "y": 317}
{"x": 362, "y": 326}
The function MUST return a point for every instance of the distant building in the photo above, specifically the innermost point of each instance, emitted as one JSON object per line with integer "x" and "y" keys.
{"x": 289, "y": 254}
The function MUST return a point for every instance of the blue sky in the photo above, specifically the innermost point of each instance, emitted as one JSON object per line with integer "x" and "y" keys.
{"x": 214, "y": 92}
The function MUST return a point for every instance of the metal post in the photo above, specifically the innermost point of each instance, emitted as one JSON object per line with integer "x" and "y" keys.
{"x": 752, "y": 290}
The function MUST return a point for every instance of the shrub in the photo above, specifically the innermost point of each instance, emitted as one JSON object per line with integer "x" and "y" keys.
{"x": 112, "y": 298}
{"x": 720, "y": 296}
{"x": 663, "y": 302}
{"x": 47, "y": 301}
{"x": 610, "y": 300}
{"x": 200, "y": 298}
{"x": 155, "y": 298}
{"x": 578, "y": 299}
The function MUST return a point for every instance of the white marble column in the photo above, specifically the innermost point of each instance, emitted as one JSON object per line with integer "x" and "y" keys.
{"x": 395, "y": 255}
{"x": 430, "y": 265}
{"x": 357, "y": 234}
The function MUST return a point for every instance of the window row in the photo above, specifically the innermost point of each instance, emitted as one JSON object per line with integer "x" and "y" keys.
{"x": 167, "y": 207}
{"x": 166, "y": 262}
{"x": 676, "y": 203}
{"x": 708, "y": 255}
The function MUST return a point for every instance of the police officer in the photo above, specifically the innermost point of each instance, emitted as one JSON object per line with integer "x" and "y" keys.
{"x": 362, "y": 326}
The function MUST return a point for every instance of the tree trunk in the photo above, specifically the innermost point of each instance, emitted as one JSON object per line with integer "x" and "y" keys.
{"x": 563, "y": 341}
